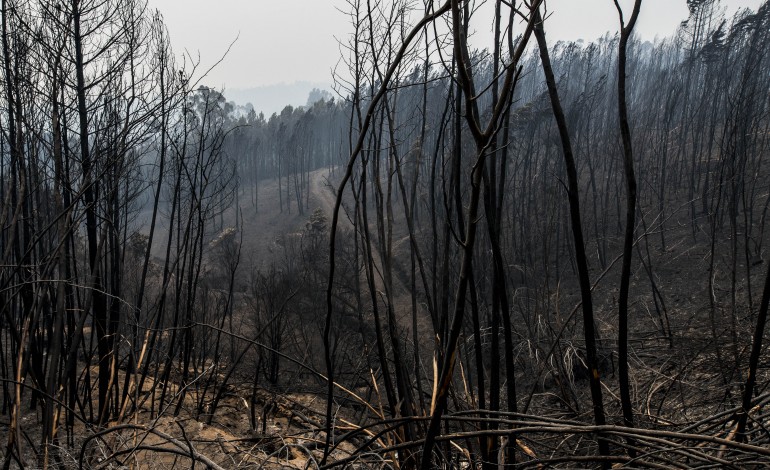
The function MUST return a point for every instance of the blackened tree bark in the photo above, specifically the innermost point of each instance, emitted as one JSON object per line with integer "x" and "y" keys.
{"x": 483, "y": 137}
{"x": 628, "y": 241}
{"x": 427, "y": 19}
{"x": 577, "y": 231}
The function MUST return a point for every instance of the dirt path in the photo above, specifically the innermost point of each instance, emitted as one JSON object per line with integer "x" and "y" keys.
{"x": 323, "y": 189}
{"x": 267, "y": 226}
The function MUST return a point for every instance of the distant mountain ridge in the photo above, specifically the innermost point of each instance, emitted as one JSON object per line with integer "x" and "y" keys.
{"x": 271, "y": 99}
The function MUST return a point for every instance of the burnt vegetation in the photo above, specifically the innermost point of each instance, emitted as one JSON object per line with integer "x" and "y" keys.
{"x": 521, "y": 254}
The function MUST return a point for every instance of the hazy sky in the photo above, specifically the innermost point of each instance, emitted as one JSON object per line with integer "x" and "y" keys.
{"x": 286, "y": 41}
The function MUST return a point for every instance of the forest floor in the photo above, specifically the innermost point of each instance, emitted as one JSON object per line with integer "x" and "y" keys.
{"x": 685, "y": 361}
{"x": 268, "y": 430}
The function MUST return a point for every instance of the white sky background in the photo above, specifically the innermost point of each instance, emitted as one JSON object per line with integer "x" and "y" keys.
{"x": 288, "y": 41}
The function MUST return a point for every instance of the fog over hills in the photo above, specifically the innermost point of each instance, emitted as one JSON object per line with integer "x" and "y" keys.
{"x": 271, "y": 99}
